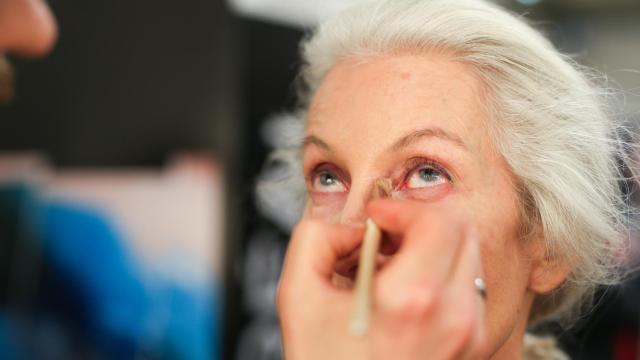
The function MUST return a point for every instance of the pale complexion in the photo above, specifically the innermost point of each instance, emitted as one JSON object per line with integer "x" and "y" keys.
{"x": 418, "y": 120}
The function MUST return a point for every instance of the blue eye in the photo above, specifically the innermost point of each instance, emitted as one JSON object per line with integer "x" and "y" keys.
{"x": 327, "y": 181}
{"x": 426, "y": 176}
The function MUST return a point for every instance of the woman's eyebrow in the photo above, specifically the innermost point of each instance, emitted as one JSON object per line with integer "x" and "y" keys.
{"x": 403, "y": 142}
{"x": 314, "y": 140}
{"x": 416, "y": 135}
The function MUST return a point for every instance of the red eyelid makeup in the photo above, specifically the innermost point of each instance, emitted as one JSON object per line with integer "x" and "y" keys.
{"x": 399, "y": 176}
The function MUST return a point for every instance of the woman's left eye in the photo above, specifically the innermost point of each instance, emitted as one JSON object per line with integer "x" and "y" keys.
{"x": 426, "y": 176}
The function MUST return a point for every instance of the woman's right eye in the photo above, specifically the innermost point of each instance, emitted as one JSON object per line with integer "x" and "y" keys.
{"x": 328, "y": 182}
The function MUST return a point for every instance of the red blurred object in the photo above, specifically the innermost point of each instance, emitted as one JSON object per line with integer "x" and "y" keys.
{"x": 625, "y": 346}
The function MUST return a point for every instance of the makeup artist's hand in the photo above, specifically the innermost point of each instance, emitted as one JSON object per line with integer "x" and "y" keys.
{"x": 425, "y": 305}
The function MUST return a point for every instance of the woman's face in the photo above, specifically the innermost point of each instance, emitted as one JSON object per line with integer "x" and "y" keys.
{"x": 419, "y": 120}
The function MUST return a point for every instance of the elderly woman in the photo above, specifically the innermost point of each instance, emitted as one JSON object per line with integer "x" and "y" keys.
{"x": 503, "y": 164}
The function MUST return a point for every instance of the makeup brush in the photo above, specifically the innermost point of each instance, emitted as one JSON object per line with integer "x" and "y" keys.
{"x": 359, "y": 324}
{"x": 382, "y": 188}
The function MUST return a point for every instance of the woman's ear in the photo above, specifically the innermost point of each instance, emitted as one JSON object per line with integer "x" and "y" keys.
{"x": 548, "y": 272}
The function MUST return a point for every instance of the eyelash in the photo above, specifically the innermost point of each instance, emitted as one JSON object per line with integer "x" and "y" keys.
{"x": 412, "y": 166}
{"x": 417, "y": 164}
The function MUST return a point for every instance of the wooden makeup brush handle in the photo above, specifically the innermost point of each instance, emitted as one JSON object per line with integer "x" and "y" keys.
{"x": 364, "y": 278}
{"x": 362, "y": 305}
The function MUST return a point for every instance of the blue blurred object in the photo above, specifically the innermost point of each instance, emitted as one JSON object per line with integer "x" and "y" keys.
{"x": 94, "y": 298}
{"x": 7, "y": 339}
{"x": 86, "y": 250}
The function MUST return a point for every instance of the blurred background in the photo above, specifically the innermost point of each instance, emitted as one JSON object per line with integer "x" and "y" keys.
{"x": 129, "y": 227}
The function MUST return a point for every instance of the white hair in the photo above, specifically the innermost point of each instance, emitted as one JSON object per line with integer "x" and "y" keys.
{"x": 549, "y": 119}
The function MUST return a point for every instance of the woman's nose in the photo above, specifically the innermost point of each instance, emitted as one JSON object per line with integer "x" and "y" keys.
{"x": 354, "y": 210}
{"x": 27, "y": 27}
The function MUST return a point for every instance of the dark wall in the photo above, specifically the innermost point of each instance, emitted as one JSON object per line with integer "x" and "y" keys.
{"x": 128, "y": 82}
{"x": 270, "y": 63}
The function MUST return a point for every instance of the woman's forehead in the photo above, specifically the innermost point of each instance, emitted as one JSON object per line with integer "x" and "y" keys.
{"x": 387, "y": 97}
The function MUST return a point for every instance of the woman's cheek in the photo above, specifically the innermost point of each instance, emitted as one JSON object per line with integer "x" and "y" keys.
{"x": 326, "y": 206}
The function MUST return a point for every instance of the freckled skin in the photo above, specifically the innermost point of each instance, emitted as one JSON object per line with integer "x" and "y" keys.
{"x": 362, "y": 107}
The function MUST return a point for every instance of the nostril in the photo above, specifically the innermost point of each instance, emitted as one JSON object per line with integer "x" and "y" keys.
{"x": 351, "y": 273}
{"x": 390, "y": 244}
{"x": 346, "y": 265}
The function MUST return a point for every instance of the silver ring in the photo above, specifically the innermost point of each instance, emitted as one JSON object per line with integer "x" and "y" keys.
{"x": 482, "y": 289}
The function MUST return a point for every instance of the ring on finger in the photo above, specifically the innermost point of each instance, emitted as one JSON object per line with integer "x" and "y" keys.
{"x": 480, "y": 286}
